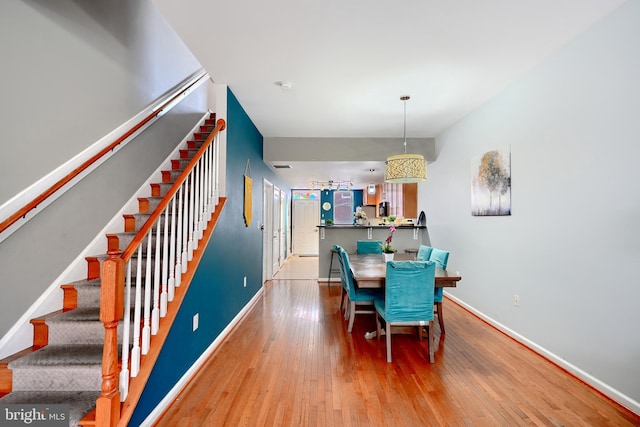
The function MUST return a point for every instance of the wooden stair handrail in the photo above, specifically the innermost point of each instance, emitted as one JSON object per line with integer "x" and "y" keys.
{"x": 77, "y": 171}
{"x": 166, "y": 199}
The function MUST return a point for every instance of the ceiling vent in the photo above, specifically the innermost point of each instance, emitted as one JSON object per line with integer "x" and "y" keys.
{"x": 282, "y": 166}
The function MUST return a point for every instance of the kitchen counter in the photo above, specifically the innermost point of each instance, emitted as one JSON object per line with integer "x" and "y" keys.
{"x": 371, "y": 226}
{"x": 406, "y": 236}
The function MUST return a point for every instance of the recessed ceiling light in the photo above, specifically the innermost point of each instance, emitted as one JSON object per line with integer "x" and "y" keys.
{"x": 284, "y": 85}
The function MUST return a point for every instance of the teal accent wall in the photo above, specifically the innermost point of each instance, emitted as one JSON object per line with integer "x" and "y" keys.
{"x": 357, "y": 198}
{"x": 327, "y": 196}
{"x": 217, "y": 293}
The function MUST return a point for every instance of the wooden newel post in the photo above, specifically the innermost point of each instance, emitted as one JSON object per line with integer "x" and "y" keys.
{"x": 111, "y": 311}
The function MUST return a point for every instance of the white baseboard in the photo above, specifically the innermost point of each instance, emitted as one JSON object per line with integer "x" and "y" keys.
{"x": 170, "y": 396}
{"x": 603, "y": 388}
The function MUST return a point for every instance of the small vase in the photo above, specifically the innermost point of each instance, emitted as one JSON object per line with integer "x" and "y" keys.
{"x": 360, "y": 221}
{"x": 388, "y": 257}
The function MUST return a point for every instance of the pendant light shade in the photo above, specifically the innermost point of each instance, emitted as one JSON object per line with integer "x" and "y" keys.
{"x": 405, "y": 168}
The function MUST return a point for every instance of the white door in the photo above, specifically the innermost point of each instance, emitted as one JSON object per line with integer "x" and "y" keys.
{"x": 267, "y": 231}
{"x": 306, "y": 217}
{"x": 275, "y": 235}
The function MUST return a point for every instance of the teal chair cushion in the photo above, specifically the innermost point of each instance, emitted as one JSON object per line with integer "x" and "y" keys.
{"x": 437, "y": 295}
{"x": 441, "y": 258}
{"x": 343, "y": 279}
{"x": 409, "y": 291}
{"x": 369, "y": 246}
{"x": 424, "y": 252}
{"x": 355, "y": 294}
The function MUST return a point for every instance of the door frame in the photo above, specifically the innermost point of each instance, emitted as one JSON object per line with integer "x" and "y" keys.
{"x": 276, "y": 240}
{"x": 273, "y": 221}
{"x": 267, "y": 230}
{"x": 283, "y": 227}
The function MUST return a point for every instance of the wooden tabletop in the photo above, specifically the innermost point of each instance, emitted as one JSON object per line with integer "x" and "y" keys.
{"x": 369, "y": 271}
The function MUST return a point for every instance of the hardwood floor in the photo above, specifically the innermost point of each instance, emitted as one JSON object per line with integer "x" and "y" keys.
{"x": 291, "y": 362}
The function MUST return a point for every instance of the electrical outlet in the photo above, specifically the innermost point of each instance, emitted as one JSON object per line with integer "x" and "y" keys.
{"x": 245, "y": 281}
{"x": 516, "y": 300}
{"x": 196, "y": 318}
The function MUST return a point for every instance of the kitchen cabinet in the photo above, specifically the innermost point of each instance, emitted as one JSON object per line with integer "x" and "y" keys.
{"x": 410, "y": 200}
{"x": 372, "y": 199}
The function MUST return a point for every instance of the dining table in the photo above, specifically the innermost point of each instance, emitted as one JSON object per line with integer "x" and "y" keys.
{"x": 370, "y": 270}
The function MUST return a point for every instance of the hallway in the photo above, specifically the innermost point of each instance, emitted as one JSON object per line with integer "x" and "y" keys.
{"x": 298, "y": 267}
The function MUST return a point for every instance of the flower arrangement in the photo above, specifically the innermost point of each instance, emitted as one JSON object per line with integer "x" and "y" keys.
{"x": 360, "y": 215}
{"x": 386, "y": 246}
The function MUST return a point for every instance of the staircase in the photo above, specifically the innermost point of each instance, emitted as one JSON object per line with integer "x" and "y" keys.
{"x": 64, "y": 365}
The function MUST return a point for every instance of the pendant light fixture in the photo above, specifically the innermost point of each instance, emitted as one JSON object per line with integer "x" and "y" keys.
{"x": 371, "y": 188}
{"x": 404, "y": 168}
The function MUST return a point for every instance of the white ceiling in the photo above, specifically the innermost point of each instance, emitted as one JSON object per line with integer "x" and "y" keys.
{"x": 349, "y": 61}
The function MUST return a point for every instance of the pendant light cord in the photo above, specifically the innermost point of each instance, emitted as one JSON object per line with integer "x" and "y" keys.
{"x": 405, "y": 98}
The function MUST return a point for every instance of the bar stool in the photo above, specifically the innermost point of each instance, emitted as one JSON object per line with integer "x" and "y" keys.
{"x": 413, "y": 251}
{"x": 331, "y": 269}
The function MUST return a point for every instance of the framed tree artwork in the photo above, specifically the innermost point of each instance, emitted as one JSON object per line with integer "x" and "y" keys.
{"x": 491, "y": 183}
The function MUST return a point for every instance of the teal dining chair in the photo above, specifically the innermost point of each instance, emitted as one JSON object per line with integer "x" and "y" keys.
{"x": 356, "y": 298}
{"x": 408, "y": 300}
{"x": 369, "y": 246}
{"x": 424, "y": 252}
{"x": 343, "y": 293}
{"x": 441, "y": 258}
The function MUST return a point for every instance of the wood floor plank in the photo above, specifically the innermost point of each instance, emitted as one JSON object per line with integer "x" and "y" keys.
{"x": 291, "y": 362}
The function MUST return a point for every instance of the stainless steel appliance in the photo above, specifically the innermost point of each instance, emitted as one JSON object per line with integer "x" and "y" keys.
{"x": 383, "y": 209}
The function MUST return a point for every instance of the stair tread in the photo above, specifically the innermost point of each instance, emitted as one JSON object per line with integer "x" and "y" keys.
{"x": 86, "y": 282}
{"x": 62, "y": 356}
{"x": 80, "y": 314}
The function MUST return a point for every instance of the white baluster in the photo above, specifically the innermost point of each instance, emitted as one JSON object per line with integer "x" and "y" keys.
{"x": 200, "y": 198}
{"x": 146, "y": 329}
{"x": 211, "y": 181}
{"x": 155, "y": 313}
{"x": 217, "y": 171}
{"x": 179, "y": 240}
{"x": 203, "y": 195}
{"x": 172, "y": 252}
{"x": 137, "y": 311}
{"x": 124, "y": 372}
{"x": 212, "y": 171}
{"x": 185, "y": 226}
{"x": 196, "y": 207}
{"x": 165, "y": 264}
{"x": 207, "y": 198}
{"x": 192, "y": 207}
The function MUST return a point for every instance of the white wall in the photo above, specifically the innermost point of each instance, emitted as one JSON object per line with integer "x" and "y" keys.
{"x": 571, "y": 248}
{"x": 74, "y": 70}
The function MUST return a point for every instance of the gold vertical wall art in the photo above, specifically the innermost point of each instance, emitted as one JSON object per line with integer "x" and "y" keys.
{"x": 248, "y": 186}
